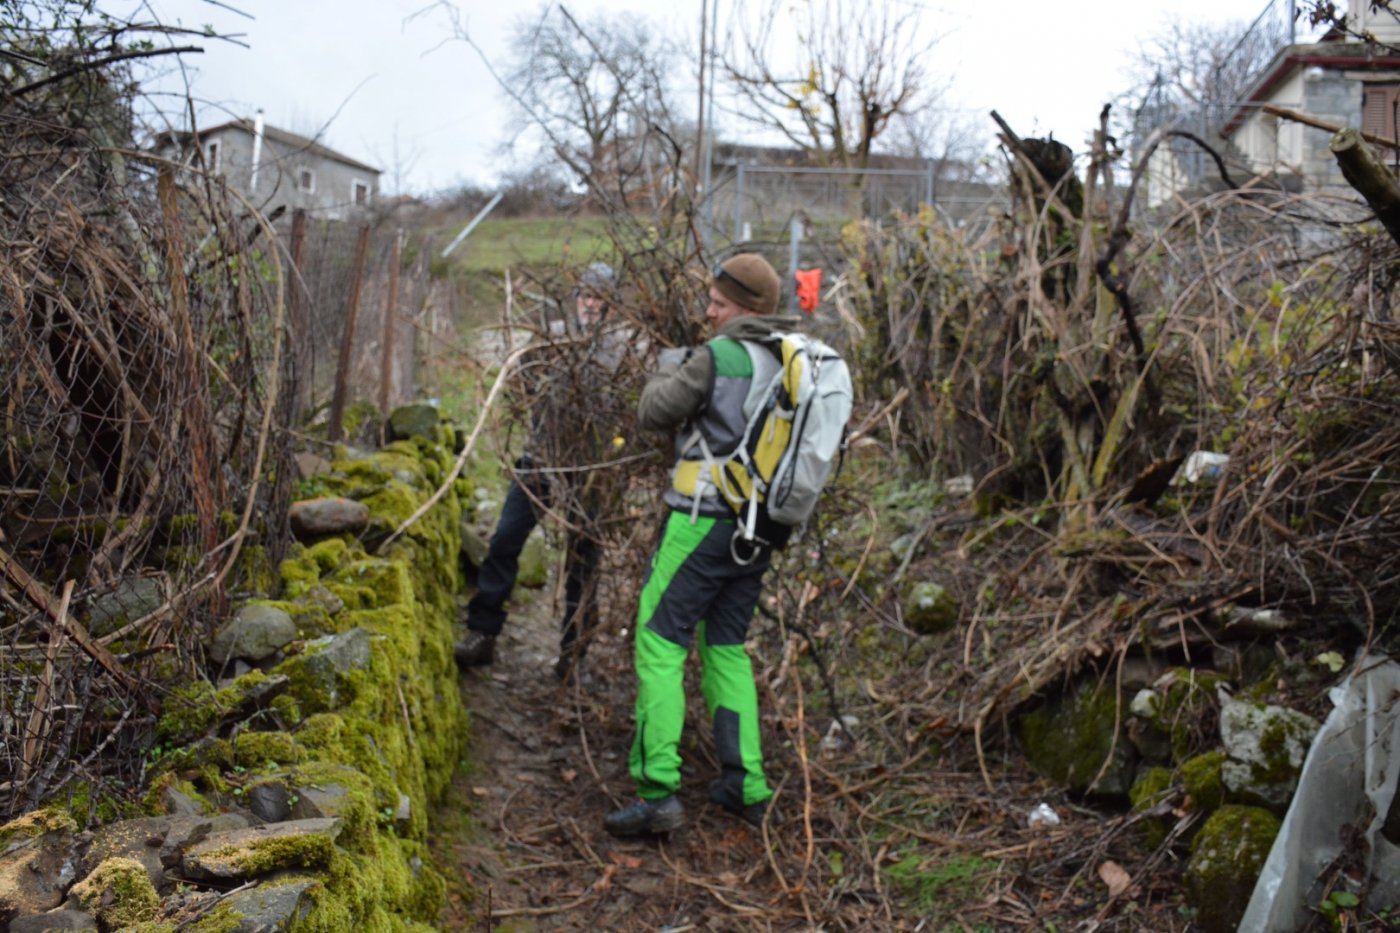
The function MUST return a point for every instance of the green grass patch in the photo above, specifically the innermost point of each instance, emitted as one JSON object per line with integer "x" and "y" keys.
{"x": 936, "y": 885}
{"x": 527, "y": 247}
{"x": 536, "y": 242}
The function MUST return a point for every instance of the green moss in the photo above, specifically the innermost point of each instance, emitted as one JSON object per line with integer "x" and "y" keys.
{"x": 1226, "y": 858}
{"x": 1201, "y": 776}
{"x": 189, "y": 711}
{"x": 256, "y": 749}
{"x": 222, "y": 919}
{"x": 328, "y": 554}
{"x": 255, "y": 570}
{"x": 287, "y": 709}
{"x": 1189, "y": 698}
{"x": 1151, "y": 788}
{"x": 35, "y": 824}
{"x": 1071, "y": 738}
{"x": 310, "y": 850}
{"x": 153, "y": 801}
{"x": 119, "y": 892}
{"x": 357, "y": 415}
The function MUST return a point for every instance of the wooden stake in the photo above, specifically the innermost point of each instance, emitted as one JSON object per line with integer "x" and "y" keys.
{"x": 347, "y": 338}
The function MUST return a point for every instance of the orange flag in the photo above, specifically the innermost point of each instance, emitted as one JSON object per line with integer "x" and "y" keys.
{"x": 809, "y": 287}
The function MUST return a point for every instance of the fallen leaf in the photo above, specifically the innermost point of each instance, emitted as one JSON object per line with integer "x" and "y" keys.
{"x": 625, "y": 860}
{"x": 568, "y": 774}
{"x": 1115, "y": 877}
{"x": 605, "y": 882}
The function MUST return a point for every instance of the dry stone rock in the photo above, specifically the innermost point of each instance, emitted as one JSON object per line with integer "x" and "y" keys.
{"x": 247, "y": 853}
{"x": 270, "y": 802}
{"x": 35, "y": 873}
{"x": 272, "y": 908}
{"x": 54, "y": 920}
{"x": 255, "y": 633}
{"x": 133, "y": 598}
{"x": 323, "y": 663}
{"x": 309, "y": 464}
{"x": 418, "y": 420}
{"x": 1265, "y": 747}
{"x": 319, "y": 518}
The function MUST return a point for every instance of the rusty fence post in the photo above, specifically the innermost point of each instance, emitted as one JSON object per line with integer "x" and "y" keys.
{"x": 347, "y": 338}
{"x": 391, "y": 311}
{"x": 297, "y": 318}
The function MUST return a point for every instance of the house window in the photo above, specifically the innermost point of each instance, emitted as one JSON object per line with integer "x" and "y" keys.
{"x": 360, "y": 193}
{"x": 306, "y": 180}
{"x": 211, "y": 157}
{"x": 1378, "y": 105}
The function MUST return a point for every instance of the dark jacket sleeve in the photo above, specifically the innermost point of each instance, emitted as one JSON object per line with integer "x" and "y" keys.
{"x": 676, "y": 393}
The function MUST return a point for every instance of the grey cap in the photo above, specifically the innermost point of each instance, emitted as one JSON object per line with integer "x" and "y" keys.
{"x": 599, "y": 277}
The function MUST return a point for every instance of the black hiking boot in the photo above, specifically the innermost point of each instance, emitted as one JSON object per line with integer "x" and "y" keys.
{"x": 646, "y": 817}
{"x": 476, "y": 649}
{"x": 752, "y": 814}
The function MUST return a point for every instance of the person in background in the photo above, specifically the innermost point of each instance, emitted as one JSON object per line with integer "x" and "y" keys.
{"x": 698, "y": 588}
{"x": 531, "y": 491}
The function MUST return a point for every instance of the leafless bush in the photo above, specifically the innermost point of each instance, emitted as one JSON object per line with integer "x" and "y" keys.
{"x": 141, "y": 354}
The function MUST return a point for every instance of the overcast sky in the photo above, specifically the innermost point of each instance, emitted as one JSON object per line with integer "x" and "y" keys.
{"x": 389, "y": 85}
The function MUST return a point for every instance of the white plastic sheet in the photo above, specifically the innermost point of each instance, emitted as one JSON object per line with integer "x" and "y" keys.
{"x": 1348, "y": 779}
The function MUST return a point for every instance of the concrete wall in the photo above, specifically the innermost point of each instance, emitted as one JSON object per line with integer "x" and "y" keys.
{"x": 279, "y": 178}
{"x": 1284, "y": 147}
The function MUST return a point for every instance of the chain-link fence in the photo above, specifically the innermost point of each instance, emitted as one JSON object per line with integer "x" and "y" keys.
{"x": 364, "y": 310}
{"x": 143, "y": 457}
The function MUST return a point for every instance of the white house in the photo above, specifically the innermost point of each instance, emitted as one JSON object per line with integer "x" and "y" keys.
{"x": 1340, "y": 81}
{"x": 274, "y": 168}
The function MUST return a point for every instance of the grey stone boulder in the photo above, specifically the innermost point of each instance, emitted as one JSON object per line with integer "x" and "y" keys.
{"x": 54, "y": 920}
{"x": 417, "y": 420}
{"x": 270, "y": 801}
{"x": 1264, "y": 748}
{"x": 255, "y": 633}
{"x": 329, "y": 515}
{"x": 36, "y": 872}
{"x": 133, "y": 598}
{"x": 929, "y": 608}
{"x": 249, "y": 853}
{"x": 178, "y": 803}
{"x": 328, "y": 797}
{"x": 309, "y": 464}
{"x": 474, "y": 545}
{"x": 325, "y": 662}
{"x": 270, "y": 908}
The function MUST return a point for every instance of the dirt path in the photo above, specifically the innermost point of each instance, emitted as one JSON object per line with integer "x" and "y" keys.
{"x": 521, "y": 834}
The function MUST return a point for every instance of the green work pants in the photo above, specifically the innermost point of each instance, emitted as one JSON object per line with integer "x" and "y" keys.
{"x": 696, "y": 587}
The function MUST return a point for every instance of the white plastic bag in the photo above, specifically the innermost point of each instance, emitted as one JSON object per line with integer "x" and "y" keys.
{"x": 1348, "y": 778}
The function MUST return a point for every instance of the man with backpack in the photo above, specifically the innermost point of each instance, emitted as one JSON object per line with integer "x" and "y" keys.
{"x": 707, "y": 572}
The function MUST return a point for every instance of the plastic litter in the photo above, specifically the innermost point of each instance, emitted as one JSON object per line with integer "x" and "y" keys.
{"x": 1348, "y": 779}
{"x": 1201, "y": 465}
{"x": 1043, "y": 815}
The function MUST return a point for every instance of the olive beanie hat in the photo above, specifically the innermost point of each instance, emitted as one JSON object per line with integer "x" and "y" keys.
{"x": 749, "y": 281}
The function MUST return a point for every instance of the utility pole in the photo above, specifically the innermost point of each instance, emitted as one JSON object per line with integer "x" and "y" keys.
{"x": 709, "y": 137}
{"x": 700, "y": 116}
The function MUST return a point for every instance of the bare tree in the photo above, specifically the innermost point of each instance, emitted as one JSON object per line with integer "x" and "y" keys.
{"x": 595, "y": 95}
{"x": 1193, "y": 75}
{"x": 1324, "y": 13}
{"x": 856, "y": 71}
